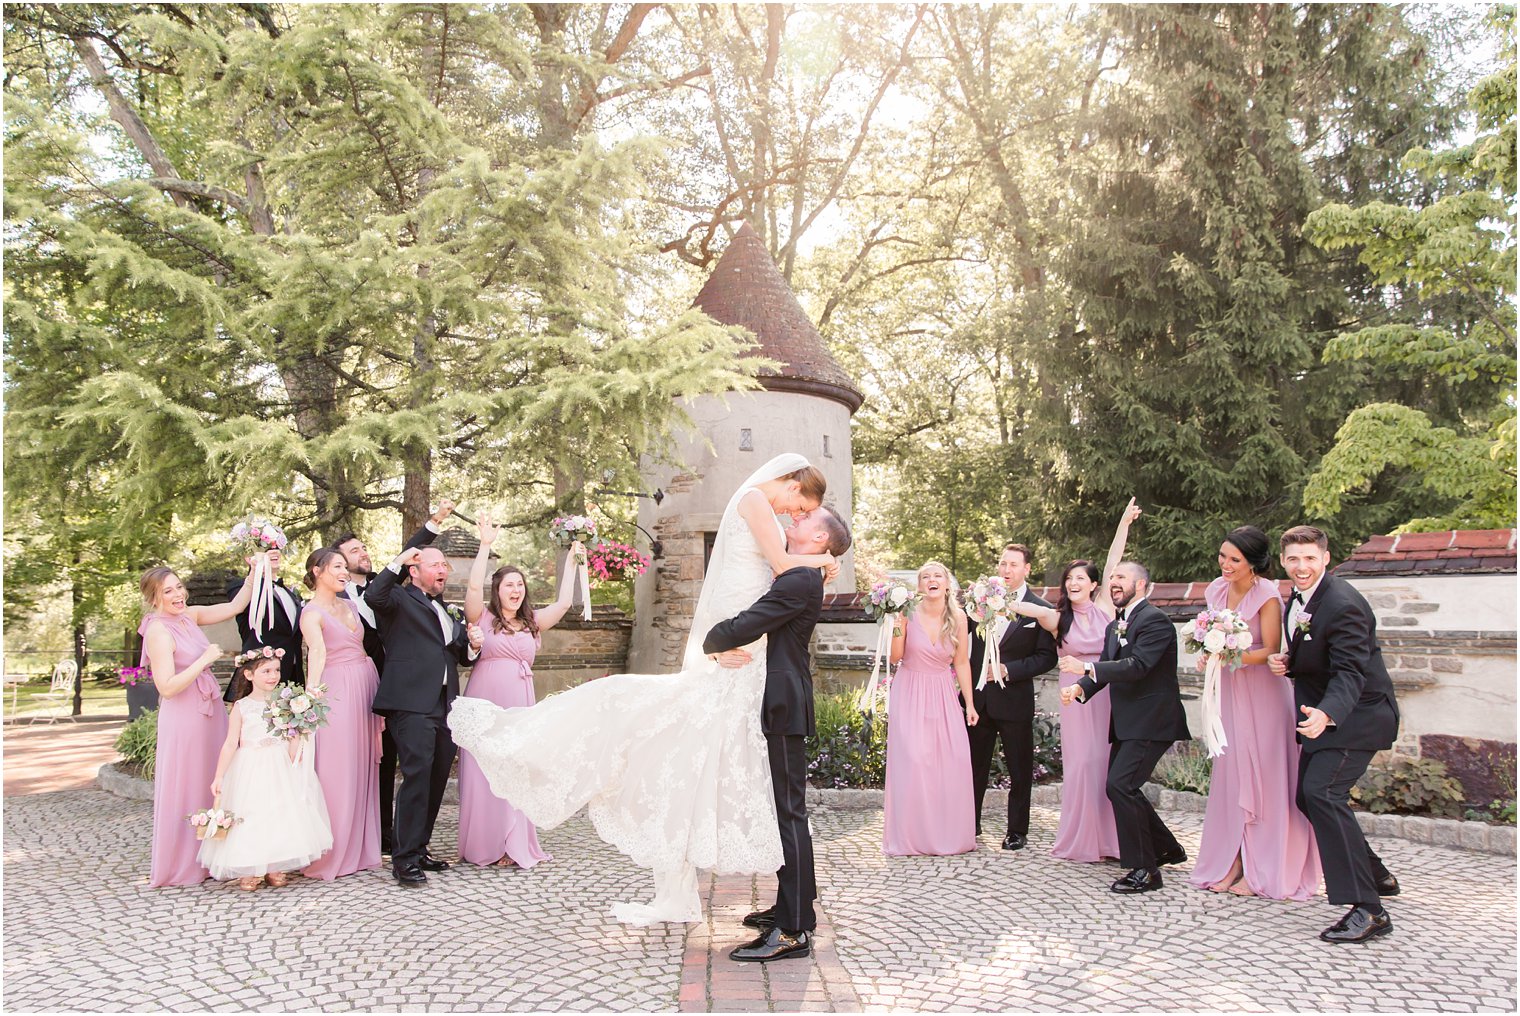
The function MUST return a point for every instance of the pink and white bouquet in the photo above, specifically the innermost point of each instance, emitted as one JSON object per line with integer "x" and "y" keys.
{"x": 256, "y": 534}
{"x": 212, "y": 823}
{"x": 1221, "y": 633}
{"x": 986, "y": 601}
{"x": 293, "y": 711}
{"x": 567, "y": 530}
{"x": 887, "y": 598}
{"x": 1222, "y": 637}
{"x": 615, "y": 562}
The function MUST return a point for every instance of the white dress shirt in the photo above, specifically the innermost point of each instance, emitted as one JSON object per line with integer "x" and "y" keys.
{"x": 1296, "y": 609}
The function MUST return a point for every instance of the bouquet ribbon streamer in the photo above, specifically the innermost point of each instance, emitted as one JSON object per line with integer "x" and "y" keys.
{"x": 1211, "y": 706}
{"x": 878, "y": 662}
{"x": 989, "y": 654}
{"x": 583, "y": 578}
{"x": 261, "y": 611}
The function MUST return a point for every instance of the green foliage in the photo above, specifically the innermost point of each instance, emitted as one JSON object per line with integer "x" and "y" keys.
{"x": 1410, "y": 786}
{"x": 1454, "y": 251}
{"x": 138, "y": 742}
{"x": 1186, "y": 766}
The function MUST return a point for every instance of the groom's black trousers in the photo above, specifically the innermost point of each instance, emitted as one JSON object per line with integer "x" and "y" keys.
{"x": 1325, "y": 779}
{"x": 1143, "y": 837}
{"x": 425, "y": 752}
{"x": 796, "y": 887}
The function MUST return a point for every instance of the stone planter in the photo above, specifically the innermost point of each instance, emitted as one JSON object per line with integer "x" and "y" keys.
{"x": 141, "y": 697}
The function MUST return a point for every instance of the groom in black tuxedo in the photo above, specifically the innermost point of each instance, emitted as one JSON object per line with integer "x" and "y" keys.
{"x": 360, "y": 574}
{"x": 1347, "y": 713}
{"x": 1139, "y": 669}
{"x": 1024, "y": 652}
{"x": 425, "y": 644}
{"x": 282, "y": 630}
{"x": 788, "y": 613}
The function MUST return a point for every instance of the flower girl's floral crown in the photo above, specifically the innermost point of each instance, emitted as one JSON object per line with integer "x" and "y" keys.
{"x": 265, "y": 652}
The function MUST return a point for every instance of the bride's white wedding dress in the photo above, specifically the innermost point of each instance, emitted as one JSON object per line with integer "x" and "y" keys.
{"x": 672, "y": 768}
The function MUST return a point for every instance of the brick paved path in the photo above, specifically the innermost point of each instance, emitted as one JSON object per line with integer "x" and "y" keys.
{"x": 987, "y": 931}
{"x": 57, "y": 756}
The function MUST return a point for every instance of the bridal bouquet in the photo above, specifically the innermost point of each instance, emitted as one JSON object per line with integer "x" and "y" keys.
{"x": 986, "y": 602}
{"x": 293, "y": 711}
{"x": 1222, "y": 637}
{"x": 884, "y": 602}
{"x": 213, "y": 823}
{"x": 253, "y": 537}
{"x": 574, "y": 532}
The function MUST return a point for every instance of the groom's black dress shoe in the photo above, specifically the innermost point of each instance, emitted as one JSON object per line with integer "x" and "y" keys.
{"x": 409, "y": 874}
{"x": 1171, "y": 857}
{"x": 431, "y": 863}
{"x": 1141, "y": 880}
{"x": 761, "y": 919}
{"x": 1358, "y": 925}
{"x": 1015, "y": 841}
{"x": 774, "y": 944}
{"x": 1387, "y": 885}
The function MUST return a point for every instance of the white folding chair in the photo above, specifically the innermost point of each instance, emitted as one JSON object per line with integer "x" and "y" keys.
{"x": 60, "y": 690}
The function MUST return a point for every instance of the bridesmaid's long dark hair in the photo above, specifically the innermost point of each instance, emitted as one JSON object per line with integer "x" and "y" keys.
{"x": 1063, "y": 603}
{"x": 524, "y": 609}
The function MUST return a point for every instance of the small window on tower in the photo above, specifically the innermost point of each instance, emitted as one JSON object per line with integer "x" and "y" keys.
{"x": 746, "y": 440}
{"x": 826, "y": 453}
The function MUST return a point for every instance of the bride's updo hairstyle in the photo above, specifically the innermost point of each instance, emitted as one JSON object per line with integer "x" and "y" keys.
{"x": 813, "y": 483}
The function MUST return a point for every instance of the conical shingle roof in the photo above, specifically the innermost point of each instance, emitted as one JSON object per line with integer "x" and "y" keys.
{"x": 746, "y": 289}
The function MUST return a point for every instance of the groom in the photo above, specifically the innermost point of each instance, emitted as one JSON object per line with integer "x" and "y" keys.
{"x": 787, "y": 613}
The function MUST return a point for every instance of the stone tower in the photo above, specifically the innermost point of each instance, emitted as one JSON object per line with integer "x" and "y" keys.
{"x": 805, "y": 406}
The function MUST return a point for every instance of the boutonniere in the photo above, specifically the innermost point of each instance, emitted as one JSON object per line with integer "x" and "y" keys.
{"x": 1121, "y": 628}
{"x": 1302, "y": 625}
{"x": 455, "y": 612}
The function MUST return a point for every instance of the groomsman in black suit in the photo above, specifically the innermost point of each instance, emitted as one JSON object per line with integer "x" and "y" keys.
{"x": 361, "y": 571}
{"x": 281, "y": 630}
{"x": 1024, "y": 652}
{"x": 1139, "y": 669}
{"x": 1347, "y": 713}
{"x": 788, "y": 613}
{"x": 425, "y": 644}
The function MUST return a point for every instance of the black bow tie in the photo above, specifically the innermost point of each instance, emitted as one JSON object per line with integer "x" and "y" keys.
{"x": 1297, "y": 598}
{"x": 437, "y": 598}
{"x": 1119, "y": 618}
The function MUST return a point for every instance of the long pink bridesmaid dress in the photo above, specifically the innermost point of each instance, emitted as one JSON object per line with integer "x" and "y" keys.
{"x": 929, "y": 807}
{"x": 191, "y": 728}
{"x": 1251, "y": 809}
{"x": 348, "y": 749}
{"x": 489, "y": 827}
{"x": 1086, "y": 831}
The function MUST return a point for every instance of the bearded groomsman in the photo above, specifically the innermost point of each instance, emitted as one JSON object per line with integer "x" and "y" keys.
{"x": 1347, "y": 713}
{"x": 280, "y": 630}
{"x": 1139, "y": 669}
{"x": 361, "y": 570}
{"x": 1024, "y": 652}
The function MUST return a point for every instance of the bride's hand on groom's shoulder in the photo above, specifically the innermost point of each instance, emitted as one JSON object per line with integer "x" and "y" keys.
{"x": 830, "y": 570}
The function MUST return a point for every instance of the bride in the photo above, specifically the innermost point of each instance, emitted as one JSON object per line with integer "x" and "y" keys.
{"x": 672, "y": 768}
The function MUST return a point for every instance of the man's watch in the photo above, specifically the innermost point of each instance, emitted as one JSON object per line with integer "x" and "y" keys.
{"x": 1087, "y": 671}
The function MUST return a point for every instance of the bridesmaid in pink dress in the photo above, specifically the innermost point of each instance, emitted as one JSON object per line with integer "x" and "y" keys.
{"x": 192, "y": 722}
{"x": 1079, "y": 622}
{"x": 348, "y": 748}
{"x": 929, "y": 806}
{"x": 1255, "y": 840}
{"x": 491, "y": 831}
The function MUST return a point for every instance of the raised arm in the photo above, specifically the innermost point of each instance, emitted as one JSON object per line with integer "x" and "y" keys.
{"x": 1115, "y": 555}
{"x": 381, "y": 593}
{"x": 555, "y": 612}
{"x": 316, "y": 646}
{"x": 757, "y": 514}
{"x": 474, "y": 592}
{"x": 432, "y": 527}
{"x": 166, "y": 679}
{"x": 215, "y": 613}
{"x": 1049, "y": 618}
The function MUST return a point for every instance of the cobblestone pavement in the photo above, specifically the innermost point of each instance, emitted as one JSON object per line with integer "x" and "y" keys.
{"x": 986, "y": 931}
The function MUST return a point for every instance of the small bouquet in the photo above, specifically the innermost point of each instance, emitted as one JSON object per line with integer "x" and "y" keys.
{"x": 131, "y": 677}
{"x": 881, "y": 603}
{"x": 568, "y": 530}
{"x": 256, "y": 534}
{"x": 252, "y": 537}
{"x": 1222, "y": 636}
{"x": 213, "y": 822}
{"x": 615, "y": 562}
{"x": 574, "y": 532}
{"x": 293, "y": 711}
{"x": 986, "y": 601}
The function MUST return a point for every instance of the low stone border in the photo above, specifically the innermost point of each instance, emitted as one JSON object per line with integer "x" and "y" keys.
{"x": 1438, "y": 832}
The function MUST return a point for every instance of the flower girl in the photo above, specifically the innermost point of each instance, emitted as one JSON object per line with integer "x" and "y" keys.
{"x": 268, "y": 785}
